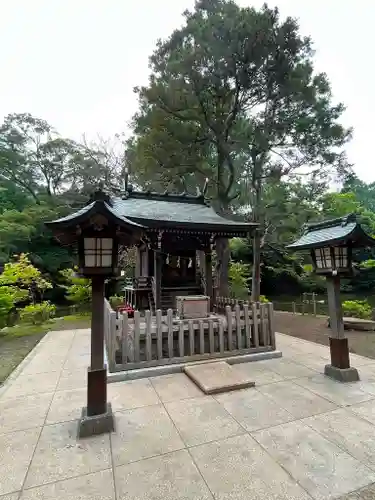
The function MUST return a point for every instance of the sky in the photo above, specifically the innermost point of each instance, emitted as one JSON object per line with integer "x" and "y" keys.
{"x": 75, "y": 63}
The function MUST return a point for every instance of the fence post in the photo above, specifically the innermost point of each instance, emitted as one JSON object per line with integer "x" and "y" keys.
{"x": 170, "y": 332}
{"x": 314, "y": 304}
{"x": 191, "y": 338}
{"x": 303, "y": 302}
{"x": 294, "y": 308}
{"x": 247, "y": 325}
{"x": 113, "y": 339}
{"x": 105, "y": 326}
{"x": 262, "y": 325}
{"x": 271, "y": 326}
{"x": 125, "y": 338}
{"x": 181, "y": 339}
{"x": 159, "y": 334}
{"x": 238, "y": 326}
{"x": 254, "y": 310}
{"x": 148, "y": 335}
{"x": 201, "y": 336}
{"x": 228, "y": 313}
{"x": 137, "y": 335}
{"x": 221, "y": 336}
{"x": 211, "y": 336}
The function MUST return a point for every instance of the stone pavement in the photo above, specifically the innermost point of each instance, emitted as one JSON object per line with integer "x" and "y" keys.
{"x": 296, "y": 436}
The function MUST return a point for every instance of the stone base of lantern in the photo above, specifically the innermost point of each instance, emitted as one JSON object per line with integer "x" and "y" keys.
{"x": 340, "y": 368}
{"x": 96, "y": 424}
{"x": 342, "y": 374}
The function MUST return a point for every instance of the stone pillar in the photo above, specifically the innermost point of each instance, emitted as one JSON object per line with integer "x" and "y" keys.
{"x": 339, "y": 369}
{"x": 97, "y": 417}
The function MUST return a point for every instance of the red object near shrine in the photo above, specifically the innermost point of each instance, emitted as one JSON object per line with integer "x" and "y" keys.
{"x": 126, "y": 308}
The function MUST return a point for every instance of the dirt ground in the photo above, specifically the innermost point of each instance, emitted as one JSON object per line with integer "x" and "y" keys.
{"x": 315, "y": 329}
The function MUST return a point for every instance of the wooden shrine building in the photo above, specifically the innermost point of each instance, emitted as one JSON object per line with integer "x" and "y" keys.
{"x": 174, "y": 256}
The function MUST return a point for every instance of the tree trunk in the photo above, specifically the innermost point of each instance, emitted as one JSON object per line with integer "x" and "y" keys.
{"x": 257, "y": 243}
{"x": 255, "y": 282}
{"x": 222, "y": 266}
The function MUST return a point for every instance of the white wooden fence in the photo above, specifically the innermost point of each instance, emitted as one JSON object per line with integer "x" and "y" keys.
{"x": 159, "y": 340}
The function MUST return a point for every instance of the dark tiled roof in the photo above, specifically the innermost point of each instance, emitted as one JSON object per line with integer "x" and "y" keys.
{"x": 335, "y": 231}
{"x": 85, "y": 211}
{"x": 164, "y": 211}
{"x": 79, "y": 213}
{"x": 178, "y": 211}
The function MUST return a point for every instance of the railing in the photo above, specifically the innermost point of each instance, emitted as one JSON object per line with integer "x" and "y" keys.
{"x": 309, "y": 304}
{"x": 139, "y": 283}
{"x": 160, "y": 340}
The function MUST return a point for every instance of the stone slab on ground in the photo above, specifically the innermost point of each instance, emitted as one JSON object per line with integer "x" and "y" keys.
{"x": 214, "y": 378}
{"x": 359, "y": 324}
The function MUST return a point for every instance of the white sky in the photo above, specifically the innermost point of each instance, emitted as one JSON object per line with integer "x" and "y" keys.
{"x": 75, "y": 63}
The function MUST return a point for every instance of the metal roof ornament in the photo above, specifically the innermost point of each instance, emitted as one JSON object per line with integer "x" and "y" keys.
{"x": 100, "y": 195}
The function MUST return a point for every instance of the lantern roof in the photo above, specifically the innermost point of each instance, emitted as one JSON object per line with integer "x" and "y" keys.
{"x": 334, "y": 232}
{"x": 93, "y": 208}
{"x": 98, "y": 213}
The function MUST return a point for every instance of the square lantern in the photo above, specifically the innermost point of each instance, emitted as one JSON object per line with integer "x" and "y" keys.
{"x": 98, "y": 254}
{"x": 332, "y": 259}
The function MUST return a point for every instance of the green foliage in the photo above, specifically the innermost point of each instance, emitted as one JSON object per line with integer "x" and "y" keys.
{"x": 263, "y": 299}
{"x": 340, "y": 204}
{"x": 238, "y": 278}
{"x": 6, "y": 305}
{"x": 37, "y": 314}
{"x": 357, "y": 309}
{"x": 22, "y": 273}
{"x": 20, "y": 282}
{"x": 78, "y": 289}
{"x": 116, "y": 300}
{"x": 368, "y": 264}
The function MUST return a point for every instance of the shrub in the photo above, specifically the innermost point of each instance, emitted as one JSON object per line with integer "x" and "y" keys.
{"x": 78, "y": 288}
{"x": 357, "y": 309}
{"x": 263, "y": 299}
{"x": 238, "y": 276}
{"x": 37, "y": 314}
{"x": 116, "y": 300}
{"x": 6, "y": 305}
{"x": 22, "y": 274}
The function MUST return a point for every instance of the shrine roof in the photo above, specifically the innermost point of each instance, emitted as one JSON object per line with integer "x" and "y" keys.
{"x": 156, "y": 210}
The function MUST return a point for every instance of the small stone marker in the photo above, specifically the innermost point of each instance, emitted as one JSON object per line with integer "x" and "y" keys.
{"x": 217, "y": 377}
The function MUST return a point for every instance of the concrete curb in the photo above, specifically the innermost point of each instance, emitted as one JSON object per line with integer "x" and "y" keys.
{"x": 178, "y": 368}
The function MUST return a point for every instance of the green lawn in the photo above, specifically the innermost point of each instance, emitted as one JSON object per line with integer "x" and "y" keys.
{"x": 17, "y": 341}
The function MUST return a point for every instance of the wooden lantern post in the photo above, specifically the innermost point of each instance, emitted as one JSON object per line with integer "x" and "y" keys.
{"x": 97, "y": 230}
{"x": 331, "y": 244}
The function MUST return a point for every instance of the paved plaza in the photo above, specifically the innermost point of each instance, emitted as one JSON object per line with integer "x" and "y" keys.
{"x": 296, "y": 436}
